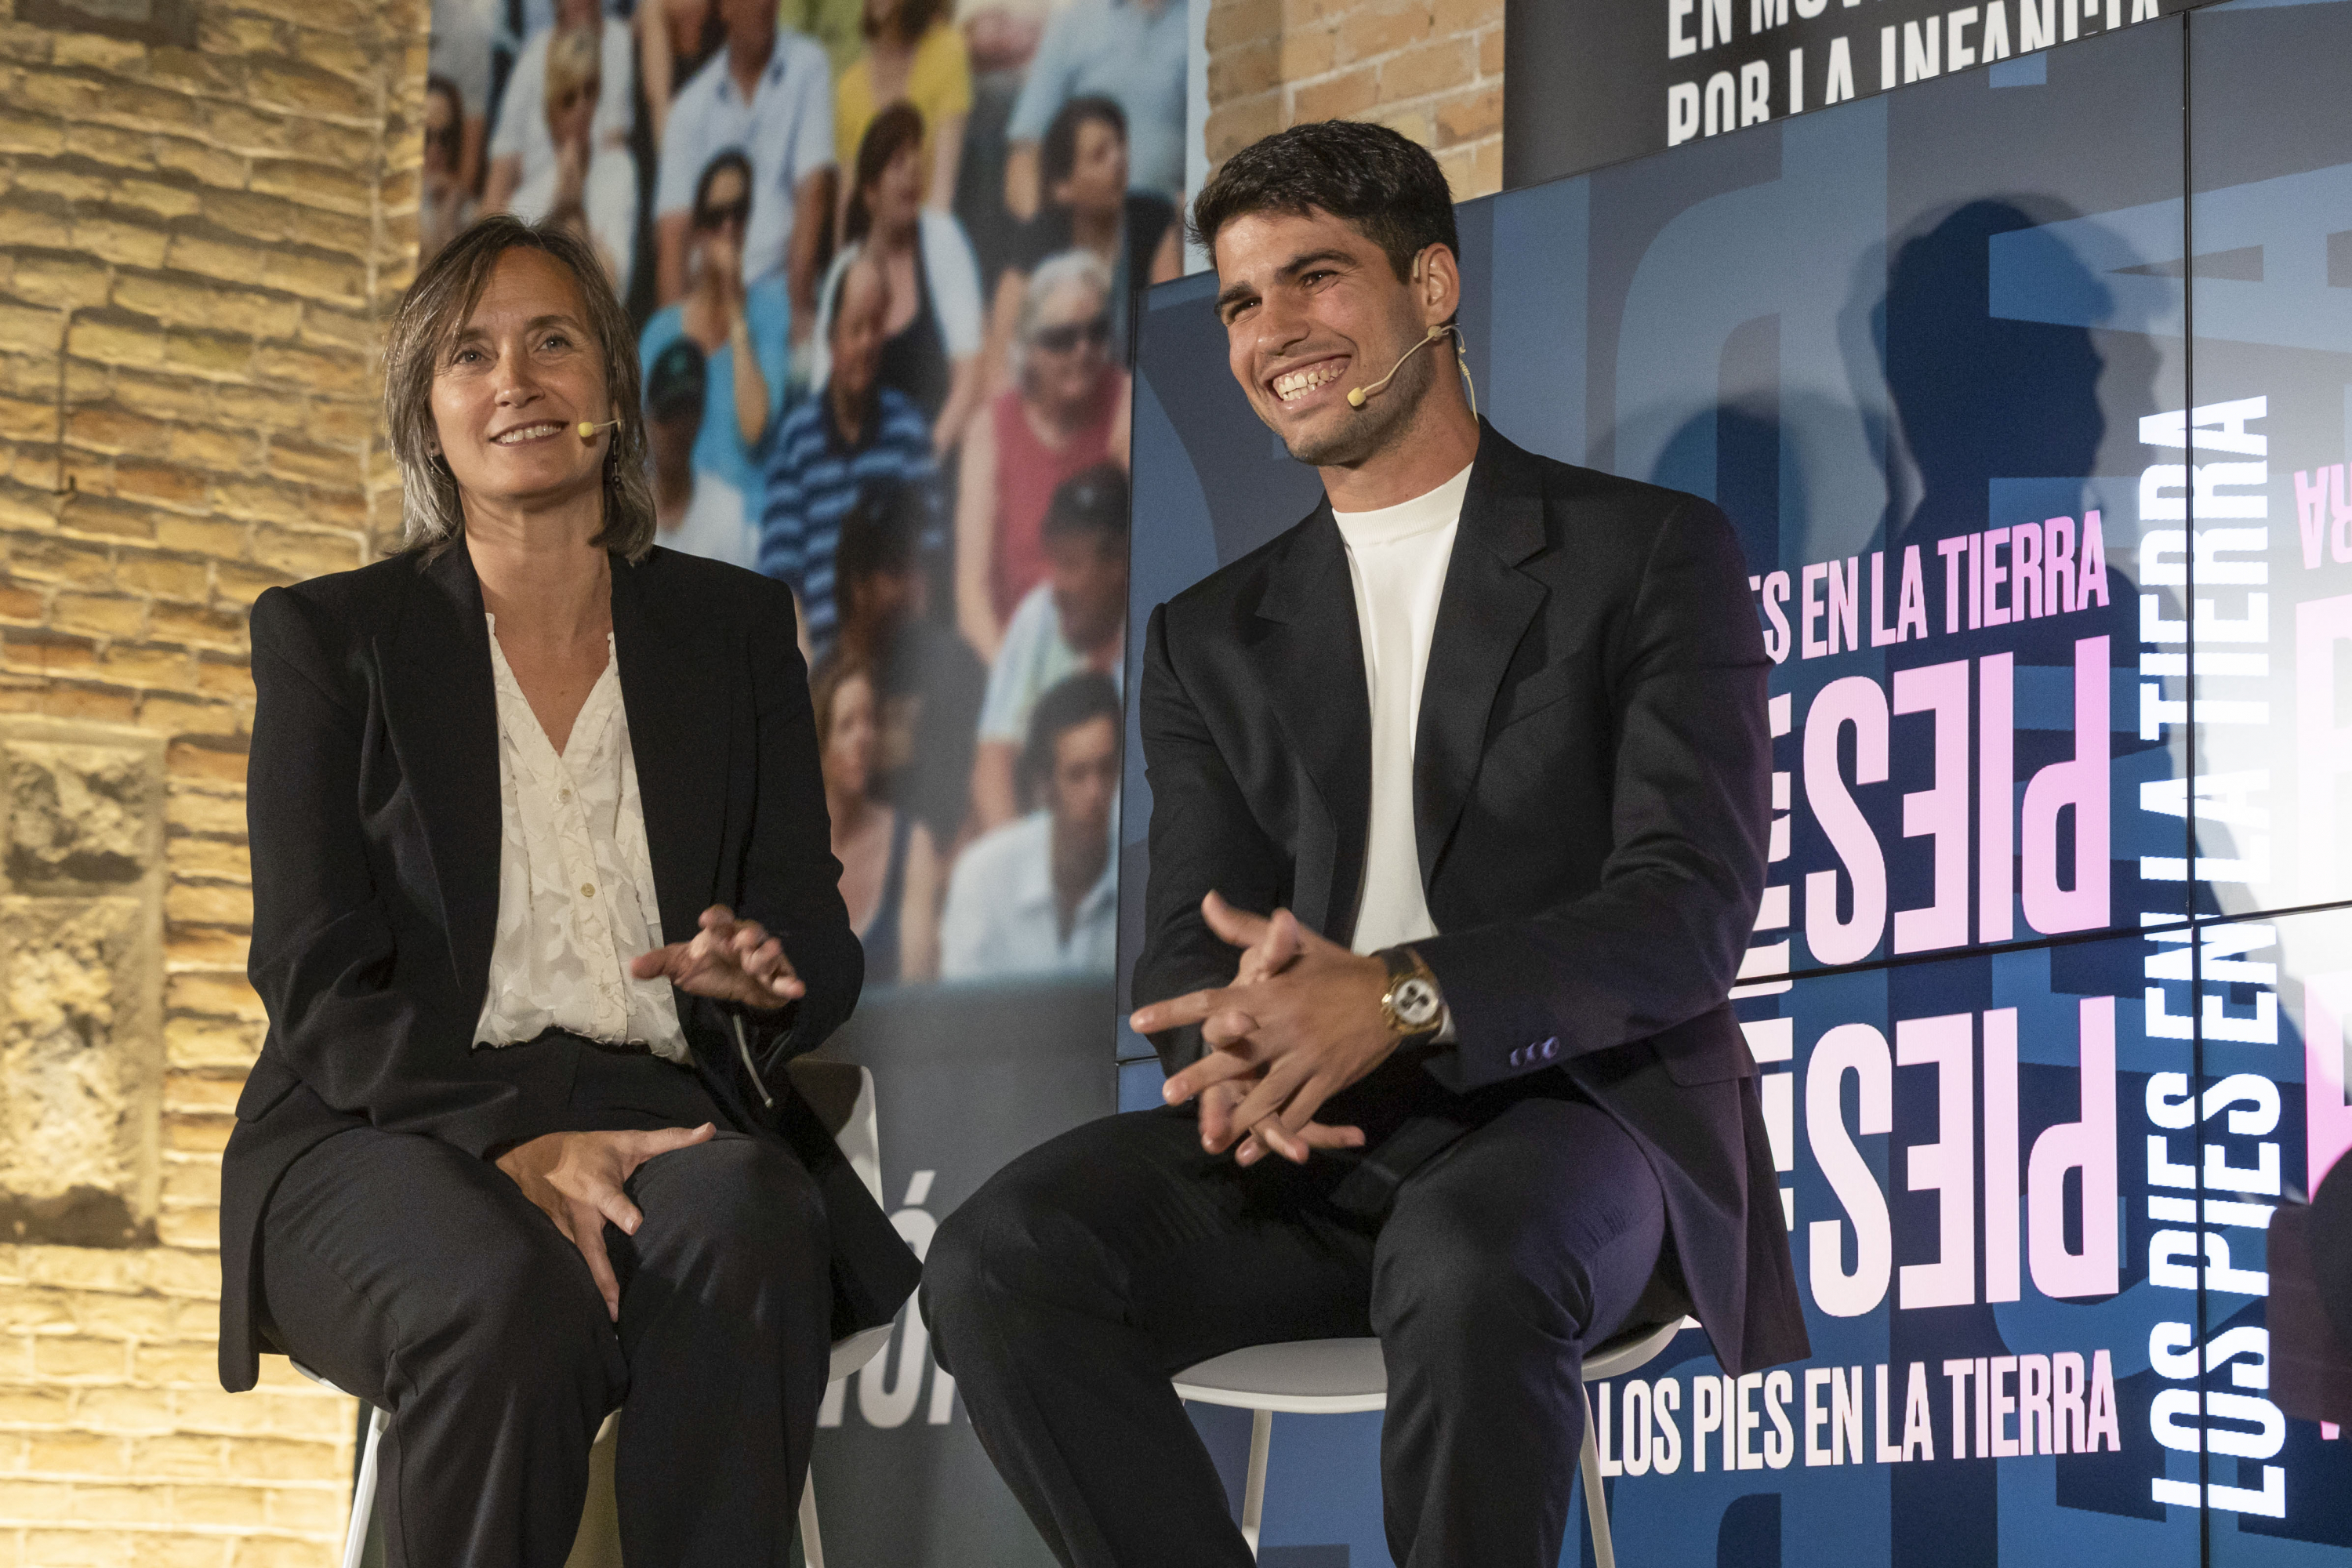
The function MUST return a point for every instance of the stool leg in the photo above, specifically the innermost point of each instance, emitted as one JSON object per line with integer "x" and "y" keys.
{"x": 1596, "y": 1501}
{"x": 363, "y": 1491}
{"x": 1254, "y": 1487}
{"x": 811, "y": 1544}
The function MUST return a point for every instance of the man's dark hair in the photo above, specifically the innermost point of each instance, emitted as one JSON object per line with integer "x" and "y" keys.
{"x": 1389, "y": 187}
{"x": 879, "y": 534}
{"x": 1074, "y": 701}
{"x": 1090, "y": 501}
{"x": 1057, "y": 154}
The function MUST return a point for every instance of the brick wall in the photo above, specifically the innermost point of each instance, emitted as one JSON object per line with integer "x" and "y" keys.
{"x": 1430, "y": 68}
{"x": 196, "y": 249}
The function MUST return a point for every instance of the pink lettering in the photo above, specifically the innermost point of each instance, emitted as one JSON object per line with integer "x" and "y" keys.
{"x": 2000, "y": 1154}
{"x": 1856, "y": 700}
{"x": 2081, "y": 786}
{"x": 2025, "y": 572}
{"x": 1809, "y": 611}
{"x": 1995, "y": 787}
{"x": 2071, "y": 1429}
{"x": 1940, "y": 812}
{"x": 1911, "y": 611}
{"x": 1996, "y": 614}
{"x": 1950, "y": 549}
{"x": 2088, "y": 1146}
{"x": 2091, "y": 580}
{"x": 1846, "y": 604}
{"x": 1947, "y": 1166}
{"x": 2058, "y": 566}
{"x": 2033, "y": 1405}
{"x": 2326, "y": 1119}
{"x": 1880, "y": 633}
{"x": 1776, "y": 637}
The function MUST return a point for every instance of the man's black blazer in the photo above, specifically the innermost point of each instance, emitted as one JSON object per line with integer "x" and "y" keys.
{"x": 1591, "y": 781}
{"x": 372, "y": 801}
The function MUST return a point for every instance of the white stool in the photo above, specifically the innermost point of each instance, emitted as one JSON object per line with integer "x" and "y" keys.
{"x": 846, "y": 1105}
{"x": 1332, "y": 1377}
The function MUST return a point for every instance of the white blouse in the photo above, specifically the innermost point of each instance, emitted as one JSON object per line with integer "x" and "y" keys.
{"x": 576, "y": 898}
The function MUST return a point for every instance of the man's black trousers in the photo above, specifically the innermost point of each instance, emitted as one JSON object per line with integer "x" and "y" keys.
{"x": 421, "y": 1279}
{"x": 1064, "y": 1292}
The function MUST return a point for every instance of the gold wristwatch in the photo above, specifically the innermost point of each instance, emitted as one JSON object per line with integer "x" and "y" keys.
{"x": 1412, "y": 1007}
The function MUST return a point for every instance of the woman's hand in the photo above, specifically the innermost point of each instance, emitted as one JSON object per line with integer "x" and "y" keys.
{"x": 727, "y": 961}
{"x": 576, "y": 1179}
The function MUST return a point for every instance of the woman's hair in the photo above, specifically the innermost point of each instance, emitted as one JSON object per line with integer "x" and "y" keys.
{"x": 436, "y": 305}
{"x": 733, "y": 158}
{"x": 915, "y": 19}
{"x": 834, "y": 671}
{"x": 892, "y": 132}
{"x": 575, "y": 56}
{"x": 1054, "y": 274}
{"x": 1057, "y": 156}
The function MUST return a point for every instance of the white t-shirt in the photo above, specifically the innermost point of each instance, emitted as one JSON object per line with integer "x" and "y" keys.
{"x": 1397, "y": 558}
{"x": 1033, "y": 660}
{"x": 714, "y": 526}
{"x": 521, "y": 130}
{"x": 786, "y": 131}
{"x": 1000, "y": 919}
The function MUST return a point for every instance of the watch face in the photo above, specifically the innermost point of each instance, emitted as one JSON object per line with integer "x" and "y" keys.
{"x": 1415, "y": 1002}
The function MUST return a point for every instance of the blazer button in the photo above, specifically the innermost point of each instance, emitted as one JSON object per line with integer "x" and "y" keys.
{"x": 1551, "y": 1048}
{"x": 1519, "y": 1057}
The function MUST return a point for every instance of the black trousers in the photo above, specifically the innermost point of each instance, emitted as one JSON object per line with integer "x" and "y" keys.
{"x": 421, "y": 1279}
{"x": 1064, "y": 1292}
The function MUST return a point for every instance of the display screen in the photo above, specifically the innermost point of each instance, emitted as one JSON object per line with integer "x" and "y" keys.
{"x": 2027, "y": 391}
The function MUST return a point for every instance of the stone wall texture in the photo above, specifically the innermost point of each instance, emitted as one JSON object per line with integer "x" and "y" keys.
{"x": 198, "y": 248}
{"x": 1430, "y": 68}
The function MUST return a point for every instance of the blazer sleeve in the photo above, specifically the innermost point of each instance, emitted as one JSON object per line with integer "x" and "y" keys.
{"x": 323, "y": 957}
{"x": 1203, "y": 837}
{"x": 1659, "y": 939}
{"x": 790, "y": 881}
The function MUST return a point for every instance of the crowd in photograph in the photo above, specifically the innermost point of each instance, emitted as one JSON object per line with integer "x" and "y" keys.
{"x": 887, "y": 262}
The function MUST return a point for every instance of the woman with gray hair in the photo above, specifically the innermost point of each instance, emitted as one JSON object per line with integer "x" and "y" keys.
{"x": 1065, "y": 412}
{"x": 544, "y": 899}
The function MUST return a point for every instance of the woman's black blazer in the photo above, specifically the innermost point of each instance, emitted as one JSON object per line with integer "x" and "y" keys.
{"x": 375, "y": 816}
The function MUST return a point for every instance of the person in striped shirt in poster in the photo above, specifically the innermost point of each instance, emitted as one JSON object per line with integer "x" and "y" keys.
{"x": 853, "y": 434}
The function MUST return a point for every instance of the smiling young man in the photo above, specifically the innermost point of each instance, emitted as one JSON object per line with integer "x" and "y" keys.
{"x": 1458, "y": 834}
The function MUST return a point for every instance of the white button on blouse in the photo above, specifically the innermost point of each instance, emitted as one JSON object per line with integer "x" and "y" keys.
{"x": 573, "y": 828}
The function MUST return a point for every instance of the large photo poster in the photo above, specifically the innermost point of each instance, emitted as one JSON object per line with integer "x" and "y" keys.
{"x": 887, "y": 259}
{"x": 2028, "y": 391}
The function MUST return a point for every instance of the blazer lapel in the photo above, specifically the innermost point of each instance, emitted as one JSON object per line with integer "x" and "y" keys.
{"x": 1311, "y": 665}
{"x": 674, "y": 679}
{"x": 441, "y": 708}
{"x": 1482, "y": 612}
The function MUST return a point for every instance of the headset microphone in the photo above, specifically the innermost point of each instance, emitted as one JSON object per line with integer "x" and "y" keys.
{"x": 588, "y": 430}
{"x": 1357, "y": 396}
